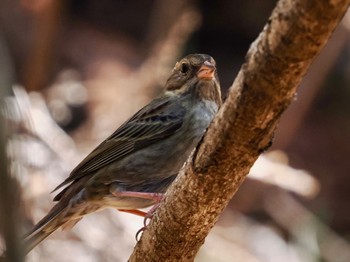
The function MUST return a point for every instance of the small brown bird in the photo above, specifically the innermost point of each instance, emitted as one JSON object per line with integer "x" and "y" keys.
{"x": 133, "y": 167}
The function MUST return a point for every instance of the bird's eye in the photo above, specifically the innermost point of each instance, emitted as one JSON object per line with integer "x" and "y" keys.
{"x": 184, "y": 68}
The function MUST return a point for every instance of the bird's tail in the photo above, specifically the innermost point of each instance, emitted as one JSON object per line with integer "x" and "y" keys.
{"x": 65, "y": 214}
{"x": 35, "y": 239}
{"x": 45, "y": 227}
{"x": 56, "y": 218}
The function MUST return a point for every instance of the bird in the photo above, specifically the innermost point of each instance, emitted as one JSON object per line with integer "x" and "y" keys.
{"x": 134, "y": 166}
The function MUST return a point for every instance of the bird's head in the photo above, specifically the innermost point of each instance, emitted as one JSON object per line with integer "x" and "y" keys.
{"x": 195, "y": 74}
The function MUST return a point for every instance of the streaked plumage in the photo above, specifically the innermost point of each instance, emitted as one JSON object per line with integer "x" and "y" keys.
{"x": 144, "y": 154}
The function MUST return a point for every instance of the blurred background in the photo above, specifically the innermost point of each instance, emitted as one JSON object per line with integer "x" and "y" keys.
{"x": 72, "y": 71}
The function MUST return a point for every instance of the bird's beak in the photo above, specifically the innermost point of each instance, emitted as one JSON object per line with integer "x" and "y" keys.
{"x": 207, "y": 71}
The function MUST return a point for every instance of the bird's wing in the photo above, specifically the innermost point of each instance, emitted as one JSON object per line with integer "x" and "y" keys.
{"x": 158, "y": 120}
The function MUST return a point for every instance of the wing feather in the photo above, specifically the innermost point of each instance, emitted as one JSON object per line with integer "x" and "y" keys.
{"x": 155, "y": 121}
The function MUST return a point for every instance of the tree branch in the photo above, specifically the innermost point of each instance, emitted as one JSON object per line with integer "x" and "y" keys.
{"x": 275, "y": 64}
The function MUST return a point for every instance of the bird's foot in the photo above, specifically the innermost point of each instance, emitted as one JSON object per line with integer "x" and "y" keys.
{"x": 147, "y": 216}
{"x": 157, "y": 197}
{"x": 138, "y": 236}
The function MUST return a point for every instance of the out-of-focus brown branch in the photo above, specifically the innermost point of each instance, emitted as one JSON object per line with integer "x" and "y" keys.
{"x": 9, "y": 190}
{"x": 164, "y": 16}
{"x": 48, "y": 16}
{"x": 275, "y": 64}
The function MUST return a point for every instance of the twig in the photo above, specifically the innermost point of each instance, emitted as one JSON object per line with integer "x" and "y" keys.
{"x": 47, "y": 23}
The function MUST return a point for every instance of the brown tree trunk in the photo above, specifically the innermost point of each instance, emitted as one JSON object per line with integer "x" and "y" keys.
{"x": 276, "y": 62}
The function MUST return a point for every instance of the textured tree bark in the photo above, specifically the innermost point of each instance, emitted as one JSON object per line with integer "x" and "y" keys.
{"x": 266, "y": 84}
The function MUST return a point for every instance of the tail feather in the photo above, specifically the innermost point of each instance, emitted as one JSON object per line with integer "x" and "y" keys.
{"x": 66, "y": 213}
{"x": 35, "y": 240}
{"x": 45, "y": 227}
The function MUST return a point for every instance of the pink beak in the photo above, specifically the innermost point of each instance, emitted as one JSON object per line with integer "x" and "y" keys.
{"x": 206, "y": 71}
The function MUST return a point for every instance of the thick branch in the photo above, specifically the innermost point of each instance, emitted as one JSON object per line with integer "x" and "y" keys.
{"x": 275, "y": 64}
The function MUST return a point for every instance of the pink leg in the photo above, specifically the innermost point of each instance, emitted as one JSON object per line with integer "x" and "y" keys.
{"x": 150, "y": 213}
{"x": 157, "y": 197}
{"x": 147, "y": 216}
{"x": 134, "y": 212}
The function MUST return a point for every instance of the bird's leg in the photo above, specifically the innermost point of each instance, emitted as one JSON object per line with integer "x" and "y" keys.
{"x": 147, "y": 216}
{"x": 150, "y": 213}
{"x": 157, "y": 197}
{"x": 134, "y": 212}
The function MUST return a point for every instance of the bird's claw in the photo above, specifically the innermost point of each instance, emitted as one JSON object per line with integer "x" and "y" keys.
{"x": 137, "y": 236}
{"x": 149, "y": 215}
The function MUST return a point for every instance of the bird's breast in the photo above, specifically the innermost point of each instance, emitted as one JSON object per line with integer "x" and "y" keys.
{"x": 166, "y": 157}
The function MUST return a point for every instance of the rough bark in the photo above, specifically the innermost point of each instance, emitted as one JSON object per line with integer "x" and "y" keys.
{"x": 266, "y": 84}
